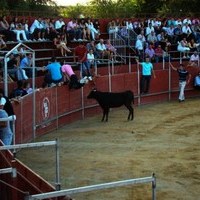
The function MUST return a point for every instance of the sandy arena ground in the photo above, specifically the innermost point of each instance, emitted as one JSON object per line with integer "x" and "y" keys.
{"x": 163, "y": 138}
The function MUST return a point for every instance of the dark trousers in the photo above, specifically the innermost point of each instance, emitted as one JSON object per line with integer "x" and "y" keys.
{"x": 144, "y": 84}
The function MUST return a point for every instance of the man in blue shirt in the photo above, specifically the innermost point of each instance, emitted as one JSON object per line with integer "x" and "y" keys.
{"x": 54, "y": 74}
{"x": 147, "y": 71}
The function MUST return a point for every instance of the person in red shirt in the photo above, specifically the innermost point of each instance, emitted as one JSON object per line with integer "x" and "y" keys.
{"x": 80, "y": 56}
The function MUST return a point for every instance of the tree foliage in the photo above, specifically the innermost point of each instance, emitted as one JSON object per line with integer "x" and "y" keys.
{"x": 109, "y": 8}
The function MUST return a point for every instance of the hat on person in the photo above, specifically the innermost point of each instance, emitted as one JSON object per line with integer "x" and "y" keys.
{"x": 2, "y": 101}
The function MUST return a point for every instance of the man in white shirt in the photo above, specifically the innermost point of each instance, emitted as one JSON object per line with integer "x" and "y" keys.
{"x": 37, "y": 29}
{"x": 58, "y": 24}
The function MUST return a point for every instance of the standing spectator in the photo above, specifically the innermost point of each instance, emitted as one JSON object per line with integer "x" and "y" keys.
{"x": 81, "y": 53}
{"x": 139, "y": 46}
{"x": 183, "y": 74}
{"x": 71, "y": 77}
{"x": 7, "y": 106}
{"x": 147, "y": 71}
{"x": 90, "y": 58}
{"x": 6, "y": 134}
{"x": 54, "y": 74}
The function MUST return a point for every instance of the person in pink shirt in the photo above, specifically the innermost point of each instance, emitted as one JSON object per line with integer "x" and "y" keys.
{"x": 69, "y": 75}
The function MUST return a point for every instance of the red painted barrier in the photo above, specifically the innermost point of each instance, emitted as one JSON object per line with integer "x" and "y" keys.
{"x": 58, "y": 106}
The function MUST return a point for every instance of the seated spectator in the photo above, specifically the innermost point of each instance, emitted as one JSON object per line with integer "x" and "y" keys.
{"x": 112, "y": 50}
{"x": 194, "y": 59}
{"x": 26, "y": 64}
{"x": 18, "y": 29}
{"x": 178, "y": 33}
{"x": 186, "y": 30}
{"x": 54, "y": 74}
{"x": 197, "y": 81}
{"x": 92, "y": 45}
{"x": 37, "y": 30}
{"x": 25, "y": 25}
{"x": 113, "y": 28}
{"x": 19, "y": 91}
{"x": 69, "y": 74}
{"x": 170, "y": 34}
{"x": 59, "y": 24}
{"x": 149, "y": 29}
{"x": 52, "y": 31}
{"x": 193, "y": 45}
{"x": 73, "y": 31}
{"x": 151, "y": 38}
{"x": 27, "y": 87}
{"x": 149, "y": 52}
{"x": 160, "y": 54}
{"x": 2, "y": 43}
{"x": 61, "y": 43}
{"x": 80, "y": 55}
{"x": 183, "y": 47}
{"x": 163, "y": 41}
{"x": 14, "y": 71}
{"x": 6, "y": 134}
{"x": 84, "y": 30}
{"x": 102, "y": 51}
{"x": 93, "y": 32}
{"x": 97, "y": 27}
{"x": 5, "y": 29}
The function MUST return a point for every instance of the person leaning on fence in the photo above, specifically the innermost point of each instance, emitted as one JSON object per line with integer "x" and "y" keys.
{"x": 147, "y": 71}
{"x": 183, "y": 74}
{"x": 54, "y": 74}
{"x": 69, "y": 75}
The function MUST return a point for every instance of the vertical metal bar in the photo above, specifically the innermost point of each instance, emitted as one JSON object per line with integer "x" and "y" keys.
{"x": 58, "y": 185}
{"x": 138, "y": 81}
{"x": 154, "y": 187}
{"x": 34, "y": 99}
{"x": 170, "y": 89}
{"x": 82, "y": 103}
{"x": 5, "y": 76}
{"x": 14, "y": 142}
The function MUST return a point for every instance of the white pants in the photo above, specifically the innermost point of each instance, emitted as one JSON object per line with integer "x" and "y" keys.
{"x": 18, "y": 33}
{"x": 182, "y": 85}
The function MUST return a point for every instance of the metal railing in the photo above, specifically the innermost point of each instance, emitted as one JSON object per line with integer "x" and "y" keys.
{"x": 102, "y": 186}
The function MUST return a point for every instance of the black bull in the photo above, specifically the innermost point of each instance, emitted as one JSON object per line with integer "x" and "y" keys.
{"x": 109, "y": 100}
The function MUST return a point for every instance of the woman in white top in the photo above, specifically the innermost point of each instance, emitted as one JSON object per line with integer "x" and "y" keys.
{"x": 183, "y": 47}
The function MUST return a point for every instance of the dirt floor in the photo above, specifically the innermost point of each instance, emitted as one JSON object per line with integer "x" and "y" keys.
{"x": 163, "y": 138}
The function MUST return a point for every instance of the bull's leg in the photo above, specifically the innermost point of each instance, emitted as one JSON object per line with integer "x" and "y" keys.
{"x": 104, "y": 113}
{"x": 131, "y": 112}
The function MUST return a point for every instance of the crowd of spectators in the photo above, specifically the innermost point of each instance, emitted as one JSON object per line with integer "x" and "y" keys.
{"x": 184, "y": 34}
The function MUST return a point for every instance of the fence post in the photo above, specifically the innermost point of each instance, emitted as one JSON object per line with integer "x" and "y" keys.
{"x": 154, "y": 187}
